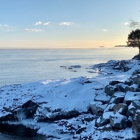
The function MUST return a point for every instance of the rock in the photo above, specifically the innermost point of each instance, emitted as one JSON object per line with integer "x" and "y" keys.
{"x": 109, "y": 108}
{"x": 8, "y": 117}
{"x": 45, "y": 114}
{"x": 118, "y": 121}
{"x": 136, "y": 104}
{"x": 101, "y": 122}
{"x": 75, "y": 66}
{"x": 80, "y": 130}
{"x": 131, "y": 96}
{"x": 131, "y": 110}
{"x": 104, "y": 119}
{"x": 104, "y": 98}
{"x": 137, "y": 57}
{"x": 136, "y": 79}
{"x": 120, "y": 108}
{"x": 110, "y": 90}
{"x": 122, "y": 66}
{"x": 136, "y": 72}
{"x": 128, "y": 82}
{"x": 132, "y": 88}
{"x": 117, "y": 98}
{"x": 136, "y": 124}
{"x": 27, "y": 110}
{"x": 97, "y": 107}
{"x": 106, "y": 127}
{"x": 112, "y": 83}
{"x": 121, "y": 87}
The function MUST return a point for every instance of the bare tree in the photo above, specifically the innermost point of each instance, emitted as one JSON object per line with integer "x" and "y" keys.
{"x": 134, "y": 24}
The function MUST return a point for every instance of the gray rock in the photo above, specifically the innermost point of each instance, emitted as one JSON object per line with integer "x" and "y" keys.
{"x": 135, "y": 79}
{"x": 109, "y": 107}
{"x": 97, "y": 108}
{"x": 104, "y": 119}
{"x": 121, "y": 65}
{"x": 118, "y": 121}
{"x": 130, "y": 88}
{"x": 128, "y": 82}
{"x": 104, "y": 98}
{"x": 136, "y": 124}
{"x": 120, "y": 108}
{"x": 131, "y": 96}
{"x": 118, "y": 97}
{"x": 112, "y": 83}
{"x": 110, "y": 90}
{"x": 136, "y": 104}
{"x": 136, "y": 72}
{"x": 27, "y": 110}
{"x": 121, "y": 87}
{"x": 131, "y": 110}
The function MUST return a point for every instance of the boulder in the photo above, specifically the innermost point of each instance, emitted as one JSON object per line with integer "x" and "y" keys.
{"x": 112, "y": 83}
{"x": 121, "y": 65}
{"x": 132, "y": 88}
{"x": 136, "y": 79}
{"x": 45, "y": 114}
{"x": 136, "y": 104}
{"x": 120, "y": 108}
{"x": 118, "y": 121}
{"x": 104, "y": 98}
{"x": 128, "y": 82}
{"x": 131, "y": 110}
{"x": 110, "y": 90}
{"x": 97, "y": 107}
{"x": 136, "y": 72}
{"x": 117, "y": 98}
{"x": 137, "y": 57}
{"x": 136, "y": 124}
{"x": 109, "y": 107}
{"x": 104, "y": 119}
{"x": 121, "y": 87}
{"x": 130, "y": 97}
{"x": 27, "y": 110}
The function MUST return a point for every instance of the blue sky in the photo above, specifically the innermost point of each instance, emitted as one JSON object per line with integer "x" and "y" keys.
{"x": 66, "y": 23}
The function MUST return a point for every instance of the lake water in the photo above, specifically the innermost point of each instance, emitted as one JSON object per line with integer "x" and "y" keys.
{"x": 22, "y": 66}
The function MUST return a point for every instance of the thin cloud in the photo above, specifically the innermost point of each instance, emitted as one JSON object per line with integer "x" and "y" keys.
{"x": 46, "y": 24}
{"x": 5, "y": 25}
{"x": 33, "y": 30}
{"x": 105, "y": 30}
{"x": 126, "y": 23}
{"x": 38, "y": 23}
{"x": 65, "y": 23}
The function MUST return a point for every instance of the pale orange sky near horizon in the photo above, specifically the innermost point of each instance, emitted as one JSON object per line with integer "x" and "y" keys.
{"x": 59, "y": 43}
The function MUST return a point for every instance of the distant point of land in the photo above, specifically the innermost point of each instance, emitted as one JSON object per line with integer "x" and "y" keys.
{"x": 120, "y": 46}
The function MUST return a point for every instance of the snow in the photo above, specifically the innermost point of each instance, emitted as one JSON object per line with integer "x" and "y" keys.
{"x": 64, "y": 95}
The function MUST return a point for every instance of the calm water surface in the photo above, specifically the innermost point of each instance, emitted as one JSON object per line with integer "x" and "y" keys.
{"x": 22, "y": 66}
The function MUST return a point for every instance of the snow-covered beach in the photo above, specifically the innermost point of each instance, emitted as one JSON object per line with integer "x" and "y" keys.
{"x": 105, "y": 106}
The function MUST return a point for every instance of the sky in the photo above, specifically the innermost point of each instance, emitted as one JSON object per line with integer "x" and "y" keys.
{"x": 66, "y": 23}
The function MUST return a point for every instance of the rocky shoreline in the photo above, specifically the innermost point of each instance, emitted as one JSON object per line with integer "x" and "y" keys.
{"x": 102, "y": 107}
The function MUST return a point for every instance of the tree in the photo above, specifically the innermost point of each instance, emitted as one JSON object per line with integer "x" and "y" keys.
{"x": 134, "y": 39}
